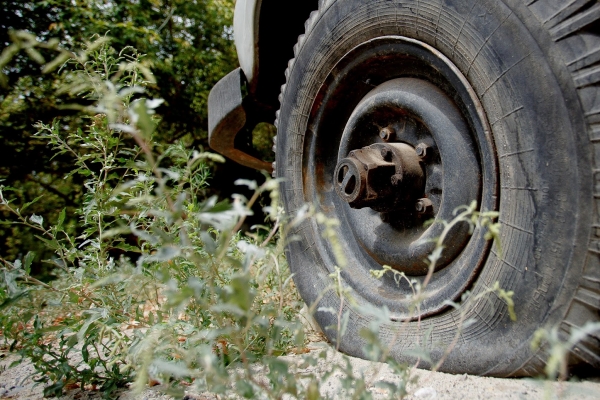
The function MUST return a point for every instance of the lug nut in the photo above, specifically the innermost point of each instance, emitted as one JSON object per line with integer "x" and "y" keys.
{"x": 387, "y": 134}
{"x": 422, "y": 150}
{"x": 396, "y": 179}
{"x": 424, "y": 206}
{"x": 386, "y": 154}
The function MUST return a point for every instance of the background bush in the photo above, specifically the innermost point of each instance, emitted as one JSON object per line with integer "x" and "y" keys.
{"x": 158, "y": 283}
{"x": 187, "y": 45}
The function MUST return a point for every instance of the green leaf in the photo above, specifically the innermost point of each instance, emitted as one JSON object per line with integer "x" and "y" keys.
{"x": 61, "y": 219}
{"x": 419, "y": 352}
{"x": 30, "y": 203}
{"x": 277, "y": 367}
{"x": 107, "y": 280}
{"x": 11, "y": 300}
{"x": 29, "y": 257}
{"x": 312, "y": 392}
{"x": 85, "y": 353}
{"x": 94, "y": 316}
{"x": 245, "y": 182}
{"x": 228, "y": 308}
{"x": 121, "y": 230}
{"x": 245, "y": 389}
{"x": 141, "y": 117}
{"x": 96, "y": 44}
{"x": 213, "y": 157}
{"x": 37, "y": 219}
{"x": 175, "y": 392}
{"x": 344, "y": 323}
{"x": 175, "y": 369}
{"x": 165, "y": 253}
{"x": 7, "y": 54}
{"x": 35, "y": 55}
{"x": 50, "y": 244}
{"x": 73, "y": 298}
{"x": 218, "y": 207}
{"x": 329, "y": 310}
{"x": 57, "y": 62}
{"x": 209, "y": 244}
{"x": 54, "y": 390}
{"x": 242, "y": 295}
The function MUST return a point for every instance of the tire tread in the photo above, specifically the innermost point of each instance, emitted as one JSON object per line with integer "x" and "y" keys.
{"x": 571, "y": 28}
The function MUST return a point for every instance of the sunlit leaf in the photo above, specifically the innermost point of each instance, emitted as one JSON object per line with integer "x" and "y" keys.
{"x": 37, "y": 219}
{"x": 165, "y": 253}
{"x": 245, "y": 182}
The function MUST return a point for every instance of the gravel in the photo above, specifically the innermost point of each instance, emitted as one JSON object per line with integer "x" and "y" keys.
{"x": 17, "y": 383}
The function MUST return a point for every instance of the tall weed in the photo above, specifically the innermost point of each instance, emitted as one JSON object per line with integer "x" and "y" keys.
{"x": 160, "y": 283}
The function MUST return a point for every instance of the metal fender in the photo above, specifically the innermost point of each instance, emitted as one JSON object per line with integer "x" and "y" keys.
{"x": 265, "y": 32}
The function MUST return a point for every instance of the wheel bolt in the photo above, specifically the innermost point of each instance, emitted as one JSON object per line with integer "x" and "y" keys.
{"x": 387, "y": 134}
{"x": 424, "y": 206}
{"x": 396, "y": 179}
{"x": 422, "y": 150}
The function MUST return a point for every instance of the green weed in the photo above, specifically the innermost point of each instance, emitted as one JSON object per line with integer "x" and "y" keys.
{"x": 160, "y": 285}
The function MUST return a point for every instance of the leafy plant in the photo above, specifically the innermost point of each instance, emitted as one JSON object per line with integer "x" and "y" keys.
{"x": 189, "y": 46}
{"x": 160, "y": 283}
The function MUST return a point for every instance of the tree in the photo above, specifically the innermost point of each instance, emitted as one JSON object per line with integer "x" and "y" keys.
{"x": 187, "y": 44}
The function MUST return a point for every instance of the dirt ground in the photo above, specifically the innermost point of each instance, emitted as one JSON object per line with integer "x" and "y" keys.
{"x": 17, "y": 383}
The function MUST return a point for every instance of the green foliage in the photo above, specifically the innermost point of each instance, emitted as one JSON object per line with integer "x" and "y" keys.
{"x": 187, "y": 44}
{"x": 159, "y": 284}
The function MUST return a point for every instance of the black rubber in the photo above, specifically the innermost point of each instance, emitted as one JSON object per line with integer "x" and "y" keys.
{"x": 535, "y": 68}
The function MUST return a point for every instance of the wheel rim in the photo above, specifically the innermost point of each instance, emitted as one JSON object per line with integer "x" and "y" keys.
{"x": 418, "y": 115}
{"x": 412, "y": 97}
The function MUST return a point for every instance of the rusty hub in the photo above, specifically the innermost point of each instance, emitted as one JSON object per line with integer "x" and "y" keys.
{"x": 406, "y": 157}
{"x": 384, "y": 177}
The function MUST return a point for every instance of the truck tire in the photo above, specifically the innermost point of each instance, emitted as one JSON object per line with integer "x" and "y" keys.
{"x": 504, "y": 96}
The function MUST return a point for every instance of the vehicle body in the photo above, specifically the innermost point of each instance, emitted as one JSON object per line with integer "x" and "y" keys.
{"x": 395, "y": 112}
{"x": 259, "y": 32}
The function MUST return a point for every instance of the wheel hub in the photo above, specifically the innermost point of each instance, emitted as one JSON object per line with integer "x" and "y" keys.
{"x": 384, "y": 177}
{"x": 418, "y": 166}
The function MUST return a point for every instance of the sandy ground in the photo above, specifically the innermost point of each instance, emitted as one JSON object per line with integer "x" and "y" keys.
{"x": 17, "y": 383}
